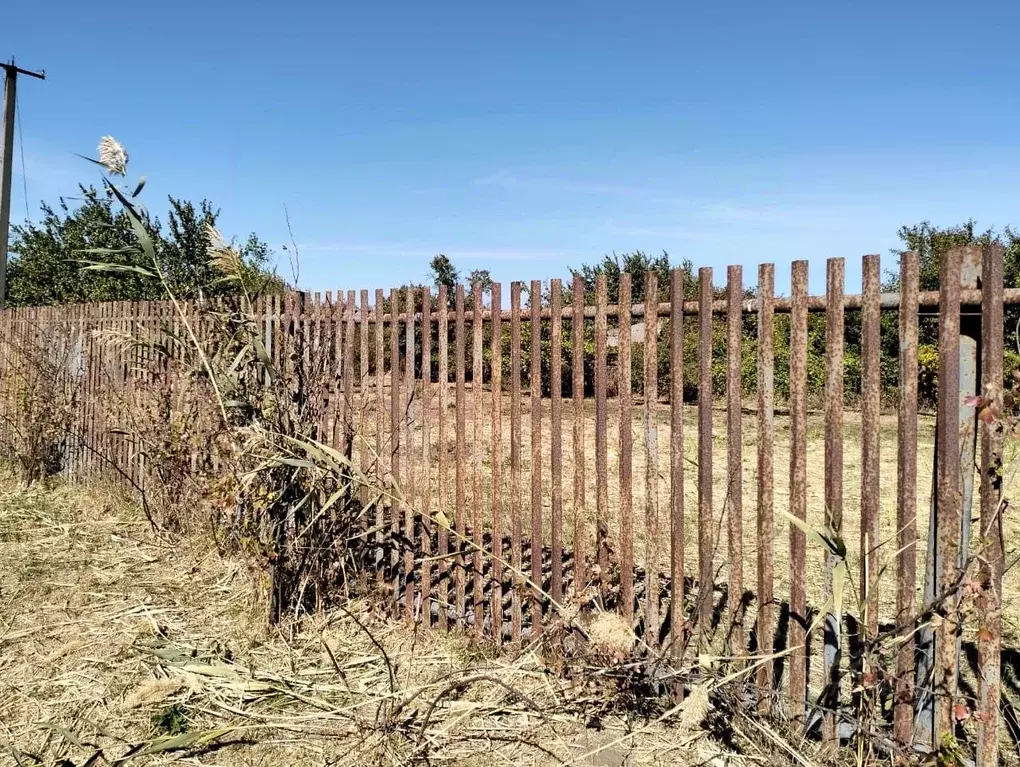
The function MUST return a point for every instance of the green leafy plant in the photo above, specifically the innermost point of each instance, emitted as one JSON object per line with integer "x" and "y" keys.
{"x": 171, "y": 720}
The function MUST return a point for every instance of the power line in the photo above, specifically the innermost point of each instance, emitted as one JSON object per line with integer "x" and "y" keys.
{"x": 24, "y": 174}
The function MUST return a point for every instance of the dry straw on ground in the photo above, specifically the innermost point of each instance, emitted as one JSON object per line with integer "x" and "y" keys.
{"x": 115, "y": 641}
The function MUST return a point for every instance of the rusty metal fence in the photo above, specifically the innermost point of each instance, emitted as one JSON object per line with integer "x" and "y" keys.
{"x": 629, "y": 499}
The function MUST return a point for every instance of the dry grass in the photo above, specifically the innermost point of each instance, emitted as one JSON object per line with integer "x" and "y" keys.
{"x": 114, "y": 640}
{"x": 815, "y": 483}
{"x": 421, "y": 409}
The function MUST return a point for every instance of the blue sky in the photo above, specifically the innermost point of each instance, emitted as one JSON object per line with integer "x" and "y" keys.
{"x": 527, "y": 137}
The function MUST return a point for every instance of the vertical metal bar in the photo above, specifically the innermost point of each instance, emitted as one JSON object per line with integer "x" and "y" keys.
{"x": 278, "y": 302}
{"x": 348, "y": 372}
{"x": 78, "y": 386}
{"x": 832, "y": 631}
{"x": 601, "y": 443}
{"x": 970, "y": 388}
{"x": 623, "y": 394}
{"x": 477, "y": 496}
{"x": 329, "y": 383}
{"x": 766, "y": 525}
{"x": 651, "y": 400}
{"x": 906, "y": 500}
{"x": 460, "y": 502}
{"x": 443, "y": 593}
{"x": 363, "y": 368}
{"x": 380, "y": 428}
{"x": 396, "y": 504}
{"x": 556, "y": 439}
{"x": 410, "y": 497}
{"x": 798, "y": 489}
{"x": 871, "y": 386}
{"x": 706, "y": 522}
{"x": 535, "y": 379}
{"x": 81, "y": 381}
{"x": 364, "y": 450}
{"x": 516, "y": 489}
{"x": 992, "y": 567}
{"x": 496, "y": 296}
{"x": 948, "y": 475}
{"x": 194, "y": 319}
{"x": 577, "y": 395}
{"x": 335, "y": 386}
{"x": 303, "y": 337}
{"x": 98, "y": 312}
{"x": 676, "y": 461}
{"x": 426, "y": 459}
{"x": 139, "y": 373}
{"x": 734, "y": 459}
{"x": 315, "y": 310}
{"x": 120, "y": 360}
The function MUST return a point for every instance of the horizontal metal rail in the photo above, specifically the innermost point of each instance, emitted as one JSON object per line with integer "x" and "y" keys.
{"x": 926, "y": 300}
{"x": 970, "y": 301}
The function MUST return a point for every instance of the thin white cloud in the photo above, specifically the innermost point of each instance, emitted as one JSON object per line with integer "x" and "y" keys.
{"x": 418, "y": 251}
{"x": 508, "y": 180}
{"x": 663, "y": 231}
{"x": 748, "y": 213}
{"x": 786, "y": 216}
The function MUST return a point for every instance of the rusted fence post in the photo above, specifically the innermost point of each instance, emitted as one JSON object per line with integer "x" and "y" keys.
{"x": 442, "y": 491}
{"x": 906, "y": 500}
{"x": 363, "y": 367}
{"x": 516, "y": 482}
{"x": 870, "y": 408}
{"x": 477, "y": 450}
{"x": 871, "y": 393}
{"x": 832, "y": 630}
{"x": 407, "y": 403}
{"x": 460, "y": 468}
{"x": 651, "y": 419}
{"x": 706, "y": 516}
{"x": 676, "y": 463}
{"x": 734, "y": 461}
{"x": 556, "y": 438}
{"x": 535, "y": 403}
{"x": 396, "y": 502}
{"x": 496, "y": 294}
{"x": 577, "y": 411}
{"x": 949, "y": 526}
{"x": 427, "y": 523}
{"x": 992, "y": 543}
{"x": 797, "y": 634}
{"x": 766, "y": 526}
{"x": 601, "y": 444}
{"x": 380, "y": 429}
{"x": 623, "y": 395}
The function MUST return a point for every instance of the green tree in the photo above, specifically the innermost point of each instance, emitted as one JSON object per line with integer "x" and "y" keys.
{"x": 636, "y": 263}
{"x": 46, "y": 257}
{"x": 481, "y": 278}
{"x": 930, "y": 243}
{"x": 444, "y": 273}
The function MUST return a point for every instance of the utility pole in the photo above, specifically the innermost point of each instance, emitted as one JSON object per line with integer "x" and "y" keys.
{"x": 7, "y": 160}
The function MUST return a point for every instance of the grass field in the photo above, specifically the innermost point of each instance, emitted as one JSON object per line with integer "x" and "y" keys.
{"x": 815, "y": 489}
